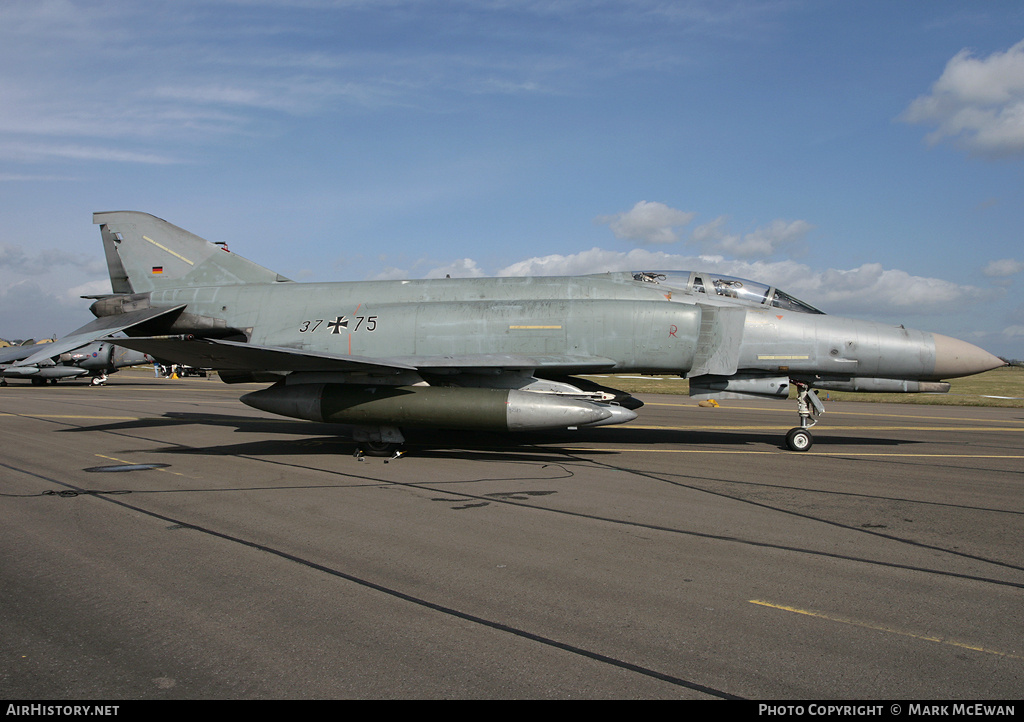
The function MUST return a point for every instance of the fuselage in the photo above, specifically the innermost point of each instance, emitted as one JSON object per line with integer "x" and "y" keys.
{"x": 635, "y": 324}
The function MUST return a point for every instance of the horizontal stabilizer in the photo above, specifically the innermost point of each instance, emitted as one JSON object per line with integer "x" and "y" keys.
{"x": 103, "y": 326}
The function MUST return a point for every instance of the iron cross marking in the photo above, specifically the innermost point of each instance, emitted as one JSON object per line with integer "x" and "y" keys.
{"x": 337, "y": 324}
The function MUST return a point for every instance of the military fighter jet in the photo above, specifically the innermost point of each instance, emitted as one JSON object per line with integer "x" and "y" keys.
{"x": 502, "y": 354}
{"x": 95, "y": 360}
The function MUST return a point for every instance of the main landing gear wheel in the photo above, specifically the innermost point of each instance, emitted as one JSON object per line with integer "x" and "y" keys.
{"x": 378, "y": 441}
{"x": 799, "y": 439}
{"x": 380, "y": 448}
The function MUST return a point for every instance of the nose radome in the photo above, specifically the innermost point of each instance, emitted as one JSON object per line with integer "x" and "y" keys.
{"x": 954, "y": 358}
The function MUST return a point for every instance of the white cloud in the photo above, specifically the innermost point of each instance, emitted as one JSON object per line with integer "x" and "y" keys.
{"x": 646, "y": 222}
{"x": 652, "y": 223}
{"x": 869, "y": 290}
{"x": 391, "y": 273}
{"x": 33, "y": 152}
{"x": 31, "y": 310}
{"x": 878, "y": 290}
{"x": 16, "y": 260}
{"x": 89, "y": 288}
{"x": 293, "y": 95}
{"x": 978, "y": 103}
{"x": 763, "y": 242}
{"x": 1003, "y": 268}
{"x": 596, "y": 260}
{"x": 462, "y": 268}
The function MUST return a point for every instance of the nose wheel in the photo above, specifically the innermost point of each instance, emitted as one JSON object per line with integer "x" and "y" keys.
{"x": 799, "y": 439}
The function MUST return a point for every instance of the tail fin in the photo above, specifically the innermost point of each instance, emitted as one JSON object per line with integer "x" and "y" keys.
{"x": 145, "y": 253}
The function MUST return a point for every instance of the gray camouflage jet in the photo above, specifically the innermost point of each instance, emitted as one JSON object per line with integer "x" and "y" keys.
{"x": 499, "y": 354}
{"x": 95, "y": 360}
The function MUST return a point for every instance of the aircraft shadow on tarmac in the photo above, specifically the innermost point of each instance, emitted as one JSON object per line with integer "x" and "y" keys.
{"x": 336, "y": 439}
{"x": 318, "y": 438}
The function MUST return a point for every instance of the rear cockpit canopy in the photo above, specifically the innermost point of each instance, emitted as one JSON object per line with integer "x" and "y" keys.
{"x": 715, "y": 284}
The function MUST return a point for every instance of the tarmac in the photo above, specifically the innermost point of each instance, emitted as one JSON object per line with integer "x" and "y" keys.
{"x": 161, "y": 540}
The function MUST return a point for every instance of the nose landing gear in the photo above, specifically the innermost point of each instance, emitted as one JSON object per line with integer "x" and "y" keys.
{"x": 808, "y": 406}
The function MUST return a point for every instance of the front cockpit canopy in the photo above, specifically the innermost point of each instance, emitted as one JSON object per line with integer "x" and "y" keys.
{"x": 715, "y": 284}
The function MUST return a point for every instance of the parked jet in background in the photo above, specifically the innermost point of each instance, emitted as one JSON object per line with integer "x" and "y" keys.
{"x": 51, "y": 363}
{"x": 499, "y": 354}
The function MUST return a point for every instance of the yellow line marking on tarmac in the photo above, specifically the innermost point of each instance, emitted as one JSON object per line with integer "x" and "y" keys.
{"x": 79, "y": 416}
{"x": 743, "y": 427}
{"x": 246, "y": 419}
{"x": 889, "y": 630}
{"x": 831, "y": 412}
{"x": 155, "y": 468}
{"x": 196, "y": 402}
{"x": 782, "y": 452}
{"x": 675, "y": 451}
{"x": 918, "y": 416}
{"x": 632, "y": 426}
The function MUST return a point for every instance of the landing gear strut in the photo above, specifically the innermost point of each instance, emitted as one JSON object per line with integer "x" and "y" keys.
{"x": 809, "y": 407}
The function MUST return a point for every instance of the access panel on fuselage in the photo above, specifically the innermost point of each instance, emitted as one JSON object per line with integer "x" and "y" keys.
{"x": 664, "y": 337}
{"x": 495, "y": 327}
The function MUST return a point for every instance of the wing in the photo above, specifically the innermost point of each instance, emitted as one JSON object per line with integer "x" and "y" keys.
{"x": 235, "y": 356}
{"x": 103, "y": 326}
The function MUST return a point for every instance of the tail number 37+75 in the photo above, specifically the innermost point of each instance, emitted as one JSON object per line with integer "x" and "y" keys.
{"x": 340, "y": 324}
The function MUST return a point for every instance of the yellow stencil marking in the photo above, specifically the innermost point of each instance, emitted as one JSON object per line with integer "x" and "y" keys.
{"x": 165, "y": 248}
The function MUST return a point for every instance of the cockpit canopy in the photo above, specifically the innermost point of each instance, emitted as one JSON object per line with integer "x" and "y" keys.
{"x": 715, "y": 284}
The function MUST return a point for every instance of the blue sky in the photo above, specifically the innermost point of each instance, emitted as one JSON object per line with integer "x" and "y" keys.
{"x": 866, "y": 157}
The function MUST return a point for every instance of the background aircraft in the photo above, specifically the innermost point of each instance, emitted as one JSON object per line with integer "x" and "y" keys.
{"x": 95, "y": 360}
{"x": 501, "y": 354}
